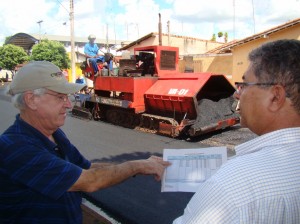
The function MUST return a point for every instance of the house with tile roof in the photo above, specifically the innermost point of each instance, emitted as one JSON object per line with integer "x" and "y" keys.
{"x": 187, "y": 45}
{"x": 229, "y": 59}
{"x": 189, "y": 48}
{"x": 241, "y": 48}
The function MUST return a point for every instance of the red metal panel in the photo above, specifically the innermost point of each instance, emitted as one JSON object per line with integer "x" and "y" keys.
{"x": 165, "y": 55}
{"x": 141, "y": 85}
{"x": 133, "y": 88}
{"x": 108, "y": 83}
{"x": 183, "y": 85}
{"x": 177, "y": 93}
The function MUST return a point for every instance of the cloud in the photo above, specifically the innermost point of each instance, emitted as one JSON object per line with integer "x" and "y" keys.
{"x": 132, "y": 19}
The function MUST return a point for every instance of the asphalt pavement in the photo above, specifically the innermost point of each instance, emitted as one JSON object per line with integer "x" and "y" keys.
{"x": 139, "y": 199}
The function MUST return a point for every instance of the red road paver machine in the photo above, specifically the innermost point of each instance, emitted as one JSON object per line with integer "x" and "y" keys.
{"x": 150, "y": 93}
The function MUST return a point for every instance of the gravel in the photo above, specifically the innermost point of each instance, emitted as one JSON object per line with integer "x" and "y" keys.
{"x": 211, "y": 112}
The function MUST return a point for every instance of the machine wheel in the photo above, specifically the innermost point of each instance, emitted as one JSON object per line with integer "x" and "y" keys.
{"x": 111, "y": 116}
{"x": 129, "y": 120}
{"x": 119, "y": 118}
{"x": 136, "y": 120}
{"x": 155, "y": 124}
{"x": 146, "y": 122}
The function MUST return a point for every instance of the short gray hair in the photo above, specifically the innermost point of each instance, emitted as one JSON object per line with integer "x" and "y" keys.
{"x": 279, "y": 62}
{"x": 18, "y": 99}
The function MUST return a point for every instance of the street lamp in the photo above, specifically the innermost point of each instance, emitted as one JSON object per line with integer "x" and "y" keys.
{"x": 39, "y": 22}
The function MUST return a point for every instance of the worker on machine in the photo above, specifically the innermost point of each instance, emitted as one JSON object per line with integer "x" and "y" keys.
{"x": 91, "y": 51}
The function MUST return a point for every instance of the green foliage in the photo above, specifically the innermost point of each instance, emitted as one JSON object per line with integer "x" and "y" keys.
{"x": 52, "y": 51}
{"x": 12, "y": 55}
{"x": 226, "y": 37}
{"x": 213, "y": 37}
{"x": 7, "y": 39}
{"x": 220, "y": 34}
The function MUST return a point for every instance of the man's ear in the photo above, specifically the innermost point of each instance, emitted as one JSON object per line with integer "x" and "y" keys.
{"x": 279, "y": 97}
{"x": 29, "y": 99}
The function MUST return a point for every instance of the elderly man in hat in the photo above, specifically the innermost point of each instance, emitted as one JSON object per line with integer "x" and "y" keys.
{"x": 41, "y": 172}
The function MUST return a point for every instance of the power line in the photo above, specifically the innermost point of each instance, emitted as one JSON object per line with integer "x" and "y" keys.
{"x": 63, "y": 6}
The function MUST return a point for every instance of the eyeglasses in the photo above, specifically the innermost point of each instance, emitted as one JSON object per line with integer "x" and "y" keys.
{"x": 241, "y": 85}
{"x": 63, "y": 98}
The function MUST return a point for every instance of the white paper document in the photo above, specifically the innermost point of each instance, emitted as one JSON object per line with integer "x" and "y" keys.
{"x": 191, "y": 167}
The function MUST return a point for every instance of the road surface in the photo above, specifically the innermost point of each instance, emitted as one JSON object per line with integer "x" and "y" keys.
{"x": 137, "y": 200}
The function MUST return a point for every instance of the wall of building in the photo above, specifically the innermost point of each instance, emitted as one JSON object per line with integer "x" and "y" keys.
{"x": 78, "y": 72}
{"x": 186, "y": 45}
{"x": 218, "y": 64}
{"x": 240, "y": 53}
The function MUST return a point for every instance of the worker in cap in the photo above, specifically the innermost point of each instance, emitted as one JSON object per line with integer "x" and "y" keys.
{"x": 42, "y": 174}
{"x": 92, "y": 37}
{"x": 91, "y": 51}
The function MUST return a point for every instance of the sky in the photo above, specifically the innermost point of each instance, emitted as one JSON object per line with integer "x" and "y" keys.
{"x": 128, "y": 20}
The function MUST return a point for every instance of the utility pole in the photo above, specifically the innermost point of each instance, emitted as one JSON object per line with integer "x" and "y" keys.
{"x": 107, "y": 44}
{"x": 233, "y": 19}
{"x": 39, "y": 22}
{"x": 138, "y": 30}
{"x": 72, "y": 41}
{"x": 168, "y": 25}
{"x": 159, "y": 31}
{"x": 253, "y": 17}
{"x": 115, "y": 32}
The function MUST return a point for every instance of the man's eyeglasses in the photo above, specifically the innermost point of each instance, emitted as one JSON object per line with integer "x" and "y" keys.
{"x": 241, "y": 85}
{"x": 63, "y": 98}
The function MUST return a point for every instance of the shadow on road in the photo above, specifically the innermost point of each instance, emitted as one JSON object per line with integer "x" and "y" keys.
{"x": 139, "y": 199}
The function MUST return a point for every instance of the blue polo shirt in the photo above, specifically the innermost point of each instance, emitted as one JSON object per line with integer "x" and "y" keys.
{"x": 91, "y": 49}
{"x": 34, "y": 177}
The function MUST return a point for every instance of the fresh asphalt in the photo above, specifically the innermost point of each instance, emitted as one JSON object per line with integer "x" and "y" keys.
{"x": 137, "y": 200}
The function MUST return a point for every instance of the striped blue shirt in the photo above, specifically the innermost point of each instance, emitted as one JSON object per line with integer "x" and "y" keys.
{"x": 34, "y": 177}
{"x": 260, "y": 185}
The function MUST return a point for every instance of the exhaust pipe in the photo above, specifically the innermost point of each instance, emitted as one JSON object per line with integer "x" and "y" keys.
{"x": 159, "y": 31}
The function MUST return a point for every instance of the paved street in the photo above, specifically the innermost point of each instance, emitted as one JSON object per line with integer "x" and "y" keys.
{"x": 138, "y": 200}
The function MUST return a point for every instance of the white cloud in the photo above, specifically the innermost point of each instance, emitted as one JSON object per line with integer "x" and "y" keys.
{"x": 132, "y": 19}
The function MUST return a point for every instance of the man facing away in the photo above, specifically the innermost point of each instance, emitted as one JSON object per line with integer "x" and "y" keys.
{"x": 261, "y": 184}
{"x": 41, "y": 172}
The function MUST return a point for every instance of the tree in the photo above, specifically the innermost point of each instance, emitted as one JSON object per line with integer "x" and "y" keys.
{"x": 226, "y": 37}
{"x": 7, "y": 39}
{"x": 220, "y": 34}
{"x": 12, "y": 55}
{"x": 213, "y": 37}
{"x": 52, "y": 51}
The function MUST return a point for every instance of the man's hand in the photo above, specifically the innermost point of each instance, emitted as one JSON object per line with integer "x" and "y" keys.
{"x": 154, "y": 165}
